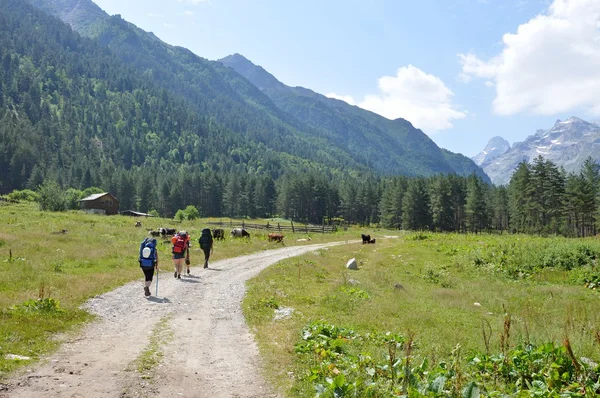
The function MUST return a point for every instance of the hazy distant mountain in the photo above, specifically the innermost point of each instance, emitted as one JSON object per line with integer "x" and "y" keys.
{"x": 497, "y": 146}
{"x": 389, "y": 146}
{"x": 567, "y": 144}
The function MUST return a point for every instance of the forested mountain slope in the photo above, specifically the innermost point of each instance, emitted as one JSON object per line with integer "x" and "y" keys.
{"x": 210, "y": 88}
{"x": 356, "y": 139}
{"x": 73, "y": 111}
{"x": 388, "y": 146}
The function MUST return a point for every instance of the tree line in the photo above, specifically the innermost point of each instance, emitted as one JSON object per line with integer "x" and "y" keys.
{"x": 541, "y": 198}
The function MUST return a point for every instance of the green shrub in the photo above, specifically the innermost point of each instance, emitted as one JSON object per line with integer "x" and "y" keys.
{"x": 52, "y": 197}
{"x": 192, "y": 212}
{"x": 26, "y": 195}
{"x": 45, "y": 305}
{"x": 346, "y": 363}
{"x": 72, "y": 197}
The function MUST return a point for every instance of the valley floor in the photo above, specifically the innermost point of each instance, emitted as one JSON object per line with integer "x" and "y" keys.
{"x": 190, "y": 341}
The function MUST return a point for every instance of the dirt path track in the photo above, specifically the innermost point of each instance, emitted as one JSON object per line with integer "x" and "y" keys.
{"x": 210, "y": 351}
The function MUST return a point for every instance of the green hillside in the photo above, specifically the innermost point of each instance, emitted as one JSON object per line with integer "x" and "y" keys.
{"x": 387, "y": 146}
{"x": 71, "y": 111}
{"x": 297, "y": 121}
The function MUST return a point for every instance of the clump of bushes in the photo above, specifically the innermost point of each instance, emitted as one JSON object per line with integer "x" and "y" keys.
{"x": 523, "y": 258}
{"x": 343, "y": 362}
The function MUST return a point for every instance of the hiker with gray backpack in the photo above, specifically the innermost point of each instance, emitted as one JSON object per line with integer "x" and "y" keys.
{"x": 206, "y": 244}
{"x": 148, "y": 260}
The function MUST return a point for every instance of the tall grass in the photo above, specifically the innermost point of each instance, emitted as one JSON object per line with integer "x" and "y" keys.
{"x": 442, "y": 290}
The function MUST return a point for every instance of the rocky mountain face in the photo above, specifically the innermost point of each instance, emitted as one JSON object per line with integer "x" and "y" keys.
{"x": 567, "y": 144}
{"x": 496, "y": 147}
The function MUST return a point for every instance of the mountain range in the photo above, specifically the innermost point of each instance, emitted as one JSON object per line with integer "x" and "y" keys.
{"x": 567, "y": 144}
{"x": 247, "y": 100}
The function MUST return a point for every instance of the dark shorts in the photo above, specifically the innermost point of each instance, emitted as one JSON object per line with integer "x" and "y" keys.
{"x": 148, "y": 273}
{"x": 177, "y": 256}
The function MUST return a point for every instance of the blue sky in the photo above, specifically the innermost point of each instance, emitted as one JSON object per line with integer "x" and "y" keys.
{"x": 461, "y": 70}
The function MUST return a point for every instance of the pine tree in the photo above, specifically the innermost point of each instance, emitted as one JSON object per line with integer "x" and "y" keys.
{"x": 475, "y": 206}
{"x": 415, "y": 206}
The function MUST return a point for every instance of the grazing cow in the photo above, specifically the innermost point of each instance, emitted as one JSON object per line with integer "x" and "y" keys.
{"x": 372, "y": 240}
{"x": 365, "y": 238}
{"x": 239, "y": 233}
{"x": 218, "y": 233}
{"x": 273, "y": 237}
{"x": 138, "y": 223}
{"x": 167, "y": 231}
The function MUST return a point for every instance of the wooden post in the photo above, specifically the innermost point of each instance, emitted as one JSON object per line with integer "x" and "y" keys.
{"x": 293, "y": 230}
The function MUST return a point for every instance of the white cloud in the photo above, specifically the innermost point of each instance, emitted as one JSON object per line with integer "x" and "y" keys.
{"x": 167, "y": 25}
{"x": 414, "y": 95}
{"x": 550, "y": 65}
{"x": 188, "y": 13}
{"x": 346, "y": 98}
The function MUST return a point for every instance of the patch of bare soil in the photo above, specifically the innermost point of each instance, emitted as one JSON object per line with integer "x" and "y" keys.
{"x": 207, "y": 351}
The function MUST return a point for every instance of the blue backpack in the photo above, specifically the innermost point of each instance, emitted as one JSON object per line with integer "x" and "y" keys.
{"x": 147, "y": 253}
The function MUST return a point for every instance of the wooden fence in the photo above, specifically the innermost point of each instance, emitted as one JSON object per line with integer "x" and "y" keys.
{"x": 324, "y": 229}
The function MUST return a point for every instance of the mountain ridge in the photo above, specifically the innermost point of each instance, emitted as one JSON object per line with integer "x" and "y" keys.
{"x": 395, "y": 141}
{"x": 294, "y": 120}
{"x": 567, "y": 144}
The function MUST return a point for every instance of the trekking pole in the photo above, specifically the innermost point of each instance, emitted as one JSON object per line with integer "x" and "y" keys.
{"x": 156, "y": 282}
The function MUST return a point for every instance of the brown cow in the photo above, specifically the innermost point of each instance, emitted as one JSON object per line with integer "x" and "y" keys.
{"x": 218, "y": 233}
{"x": 273, "y": 237}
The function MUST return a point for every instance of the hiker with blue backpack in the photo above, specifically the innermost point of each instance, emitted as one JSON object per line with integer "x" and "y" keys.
{"x": 148, "y": 262}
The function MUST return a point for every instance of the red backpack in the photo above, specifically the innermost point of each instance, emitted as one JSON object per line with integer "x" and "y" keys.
{"x": 179, "y": 243}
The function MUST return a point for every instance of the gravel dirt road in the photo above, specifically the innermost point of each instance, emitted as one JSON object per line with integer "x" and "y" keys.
{"x": 207, "y": 348}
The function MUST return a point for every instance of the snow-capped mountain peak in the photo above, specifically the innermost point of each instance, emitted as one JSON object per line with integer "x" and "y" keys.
{"x": 568, "y": 143}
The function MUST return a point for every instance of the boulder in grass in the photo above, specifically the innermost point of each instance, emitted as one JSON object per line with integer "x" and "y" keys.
{"x": 351, "y": 264}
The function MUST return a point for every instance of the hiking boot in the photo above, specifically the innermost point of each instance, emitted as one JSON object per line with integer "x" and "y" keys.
{"x": 178, "y": 276}
{"x": 206, "y": 264}
{"x": 146, "y": 291}
{"x": 188, "y": 271}
{"x": 175, "y": 274}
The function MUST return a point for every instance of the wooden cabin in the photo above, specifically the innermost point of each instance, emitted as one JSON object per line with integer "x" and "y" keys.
{"x": 100, "y": 203}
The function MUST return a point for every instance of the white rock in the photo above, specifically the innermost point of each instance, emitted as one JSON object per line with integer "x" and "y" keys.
{"x": 477, "y": 304}
{"x": 351, "y": 264}
{"x": 283, "y": 313}
{"x": 15, "y": 357}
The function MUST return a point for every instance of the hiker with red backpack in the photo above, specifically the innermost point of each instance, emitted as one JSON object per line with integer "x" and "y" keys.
{"x": 181, "y": 252}
{"x": 148, "y": 260}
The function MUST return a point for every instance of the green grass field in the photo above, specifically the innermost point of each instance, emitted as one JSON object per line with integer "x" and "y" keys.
{"x": 95, "y": 255}
{"x": 445, "y": 299}
{"x": 442, "y": 291}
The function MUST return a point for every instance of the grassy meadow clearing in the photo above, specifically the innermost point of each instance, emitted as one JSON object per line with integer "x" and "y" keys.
{"x": 95, "y": 255}
{"x": 467, "y": 315}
